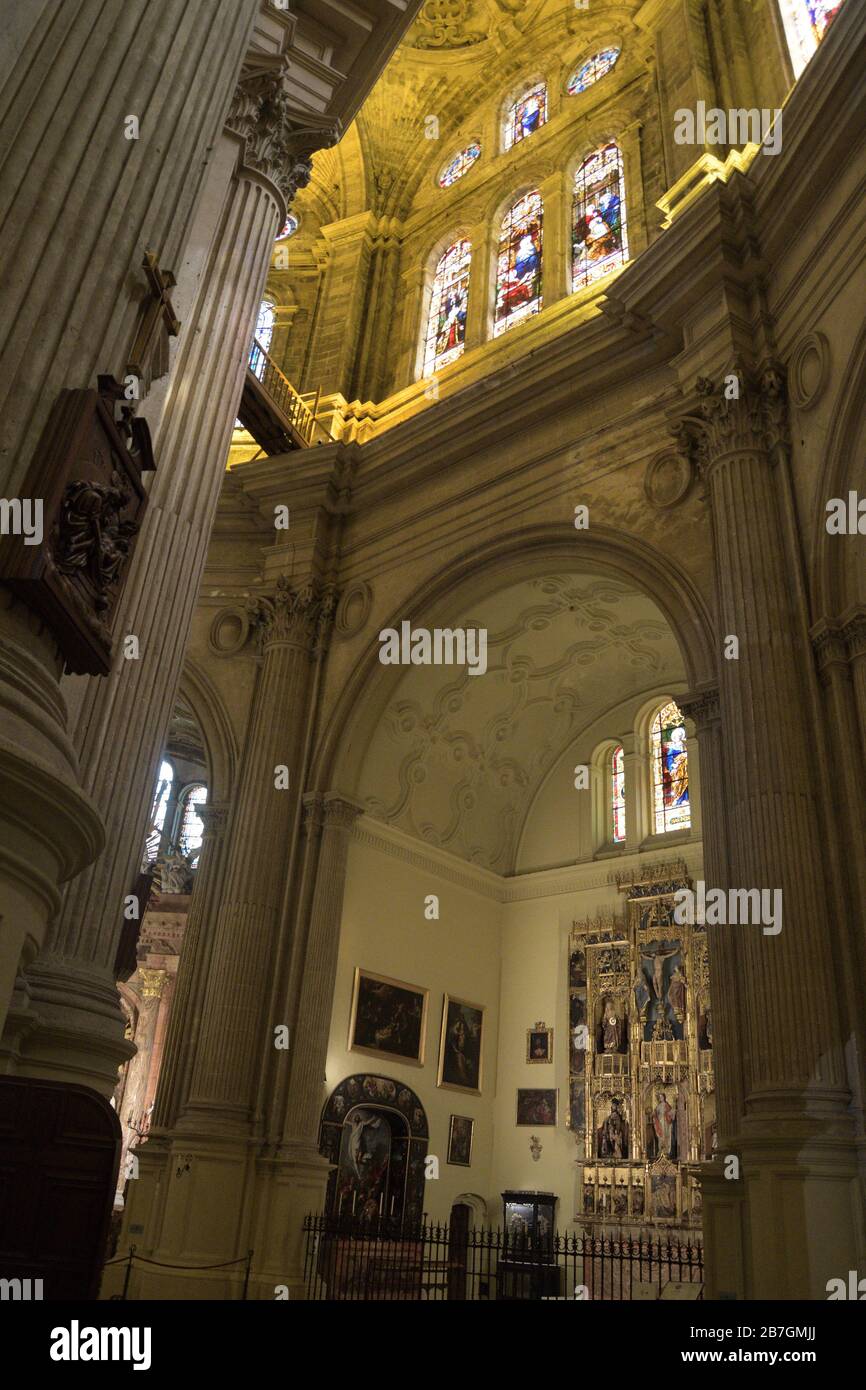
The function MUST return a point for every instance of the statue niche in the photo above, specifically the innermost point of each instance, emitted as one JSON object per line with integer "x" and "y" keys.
{"x": 611, "y": 1034}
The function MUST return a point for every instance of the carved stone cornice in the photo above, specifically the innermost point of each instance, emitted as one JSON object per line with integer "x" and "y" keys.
{"x": 340, "y": 814}
{"x": 279, "y": 140}
{"x": 839, "y": 643}
{"x": 854, "y": 633}
{"x": 300, "y": 617}
{"x": 216, "y": 819}
{"x": 328, "y": 812}
{"x": 703, "y": 707}
{"x": 755, "y": 421}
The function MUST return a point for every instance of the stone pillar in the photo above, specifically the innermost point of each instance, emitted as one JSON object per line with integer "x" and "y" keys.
{"x": 293, "y": 626}
{"x": 480, "y": 307}
{"x": 75, "y": 226}
{"x": 634, "y": 770}
{"x": 185, "y": 1020}
{"x": 74, "y": 1026}
{"x": 318, "y": 970}
{"x": 292, "y": 1182}
{"x": 794, "y": 1142}
{"x": 556, "y": 267}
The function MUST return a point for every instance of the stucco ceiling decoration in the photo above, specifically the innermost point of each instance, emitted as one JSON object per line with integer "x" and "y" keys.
{"x": 457, "y": 759}
{"x": 449, "y": 24}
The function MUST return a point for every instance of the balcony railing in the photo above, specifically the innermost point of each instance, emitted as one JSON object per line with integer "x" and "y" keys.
{"x": 273, "y": 411}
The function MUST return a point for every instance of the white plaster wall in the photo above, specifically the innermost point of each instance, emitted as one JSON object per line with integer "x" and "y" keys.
{"x": 384, "y": 930}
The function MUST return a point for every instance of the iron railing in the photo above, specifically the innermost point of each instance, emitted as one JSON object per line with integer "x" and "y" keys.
{"x": 347, "y": 1259}
{"x": 285, "y": 397}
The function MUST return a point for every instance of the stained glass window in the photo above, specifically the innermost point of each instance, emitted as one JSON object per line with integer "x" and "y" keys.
{"x": 290, "y": 226}
{"x": 806, "y": 22}
{"x": 590, "y": 71}
{"x": 192, "y": 825}
{"x": 599, "y": 238}
{"x": 263, "y": 335}
{"x": 670, "y": 771}
{"x": 459, "y": 165}
{"x": 617, "y": 793}
{"x": 446, "y": 320}
{"x": 526, "y": 115}
{"x": 158, "y": 810}
{"x": 518, "y": 265}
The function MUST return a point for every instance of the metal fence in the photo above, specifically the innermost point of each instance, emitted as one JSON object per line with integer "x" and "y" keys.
{"x": 350, "y": 1260}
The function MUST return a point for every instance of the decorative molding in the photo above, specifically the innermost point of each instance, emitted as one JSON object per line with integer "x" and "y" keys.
{"x": 152, "y": 982}
{"x": 229, "y": 631}
{"x": 443, "y": 24}
{"x": 539, "y": 883}
{"x": 300, "y": 617}
{"x": 668, "y": 479}
{"x": 703, "y": 707}
{"x": 278, "y": 140}
{"x": 809, "y": 370}
{"x": 755, "y": 421}
{"x": 353, "y": 609}
{"x": 216, "y": 819}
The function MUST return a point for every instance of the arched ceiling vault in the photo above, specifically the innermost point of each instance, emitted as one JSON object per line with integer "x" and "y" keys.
{"x": 456, "y": 760}
{"x": 455, "y": 56}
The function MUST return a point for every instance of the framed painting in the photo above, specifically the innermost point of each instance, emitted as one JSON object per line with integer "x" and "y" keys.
{"x": 460, "y": 1133}
{"x": 539, "y": 1043}
{"x": 537, "y": 1107}
{"x": 388, "y": 1018}
{"x": 460, "y": 1044}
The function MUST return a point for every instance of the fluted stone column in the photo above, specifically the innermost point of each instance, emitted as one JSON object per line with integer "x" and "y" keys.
{"x": 82, "y": 202}
{"x": 185, "y": 1020}
{"x": 293, "y": 626}
{"x": 336, "y": 817}
{"x": 292, "y": 1182}
{"x": 77, "y": 1025}
{"x": 794, "y": 1141}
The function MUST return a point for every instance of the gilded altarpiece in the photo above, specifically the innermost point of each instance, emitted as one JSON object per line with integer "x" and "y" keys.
{"x": 641, "y": 1087}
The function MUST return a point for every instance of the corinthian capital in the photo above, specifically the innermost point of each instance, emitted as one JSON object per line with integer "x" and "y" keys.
{"x": 301, "y": 617}
{"x": 744, "y": 414}
{"x": 279, "y": 139}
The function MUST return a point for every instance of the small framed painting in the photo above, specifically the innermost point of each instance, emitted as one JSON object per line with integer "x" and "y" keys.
{"x": 536, "y": 1107}
{"x": 460, "y": 1045}
{"x": 388, "y": 1018}
{"x": 460, "y": 1135}
{"x": 539, "y": 1043}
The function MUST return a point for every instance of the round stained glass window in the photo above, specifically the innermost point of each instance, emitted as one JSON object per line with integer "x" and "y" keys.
{"x": 459, "y": 165}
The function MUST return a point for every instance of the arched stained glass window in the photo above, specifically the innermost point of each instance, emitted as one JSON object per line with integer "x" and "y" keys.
{"x": 806, "y": 22}
{"x": 191, "y": 823}
{"x": 460, "y": 164}
{"x": 446, "y": 320}
{"x": 670, "y": 771}
{"x": 263, "y": 335}
{"x": 590, "y": 71}
{"x": 617, "y": 793}
{"x": 290, "y": 226}
{"x": 526, "y": 115}
{"x": 518, "y": 265}
{"x": 599, "y": 238}
{"x": 158, "y": 810}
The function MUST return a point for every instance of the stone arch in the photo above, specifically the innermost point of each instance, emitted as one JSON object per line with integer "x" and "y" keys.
{"x": 837, "y": 577}
{"x": 526, "y": 552}
{"x": 221, "y": 748}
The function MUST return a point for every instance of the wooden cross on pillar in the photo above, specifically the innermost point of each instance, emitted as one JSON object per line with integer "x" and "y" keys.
{"x": 149, "y": 359}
